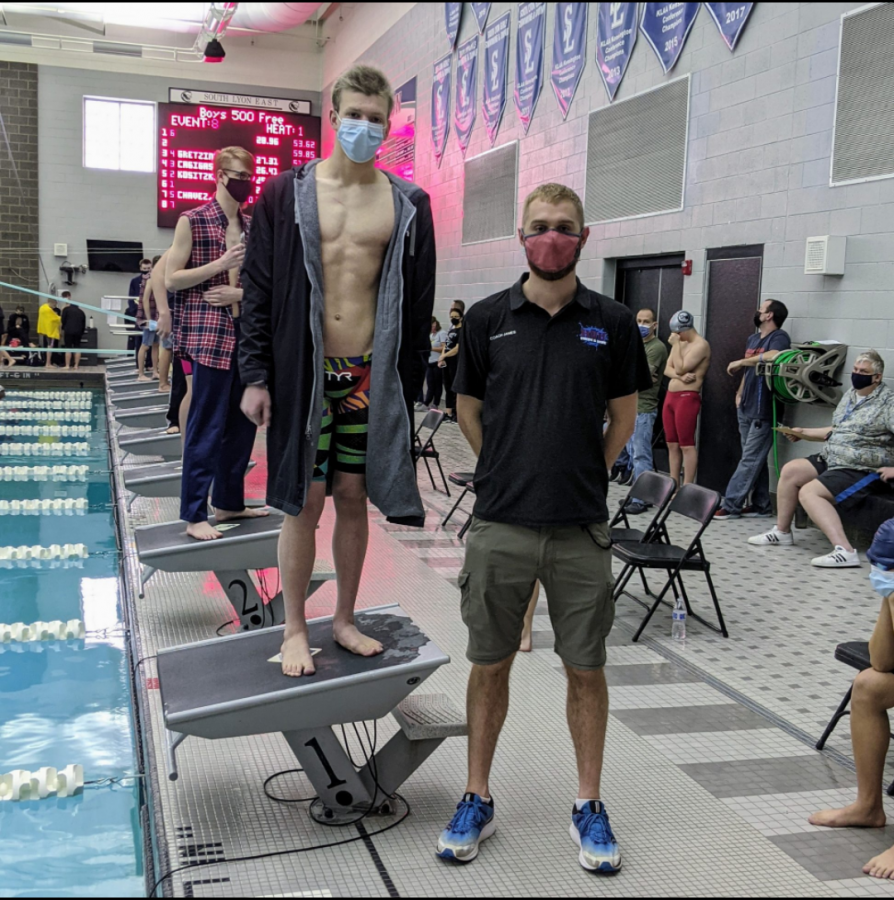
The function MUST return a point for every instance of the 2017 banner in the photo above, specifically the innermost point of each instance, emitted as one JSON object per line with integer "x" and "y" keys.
{"x": 569, "y": 52}
{"x": 666, "y": 26}
{"x": 440, "y": 106}
{"x": 481, "y": 12}
{"x": 730, "y": 19}
{"x": 529, "y": 59}
{"x": 615, "y": 40}
{"x": 496, "y": 65}
{"x": 452, "y": 14}
{"x": 466, "y": 91}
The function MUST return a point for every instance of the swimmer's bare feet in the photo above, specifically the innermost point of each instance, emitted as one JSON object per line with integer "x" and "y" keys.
{"x": 143, "y": 378}
{"x": 202, "y": 531}
{"x": 853, "y": 816}
{"x": 347, "y": 635}
{"x": 881, "y": 866}
{"x": 225, "y": 515}
{"x": 164, "y": 389}
{"x": 296, "y": 658}
{"x": 173, "y": 429}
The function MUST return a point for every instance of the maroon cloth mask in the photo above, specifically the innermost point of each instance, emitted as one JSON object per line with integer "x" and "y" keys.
{"x": 552, "y": 251}
{"x": 240, "y": 191}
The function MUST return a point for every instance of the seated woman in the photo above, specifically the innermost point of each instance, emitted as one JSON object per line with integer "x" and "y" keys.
{"x": 873, "y": 696}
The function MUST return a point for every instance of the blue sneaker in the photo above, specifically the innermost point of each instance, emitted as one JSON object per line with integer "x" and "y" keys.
{"x": 472, "y": 824}
{"x": 591, "y": 831}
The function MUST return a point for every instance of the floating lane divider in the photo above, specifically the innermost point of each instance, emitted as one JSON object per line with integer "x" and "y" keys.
{"x": 50, "y": 417}
{"x": 20, "y": 784}
{"x": 44, "y": 473}
{"x": 59, "y": 507}
{"x": 48, "y": 407}
{"x": 36, "y": 555}
{"x": 36, "y": 449}
{"x": 47, "y": 430}
{"x": 56, "y": 630}
{"x": 48, "y": 395}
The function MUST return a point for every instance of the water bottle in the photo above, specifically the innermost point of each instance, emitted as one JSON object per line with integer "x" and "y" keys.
{"x": 678, "y": 629}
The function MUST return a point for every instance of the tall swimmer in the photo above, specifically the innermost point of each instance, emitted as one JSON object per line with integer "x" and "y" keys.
{"x": 203, "y": 268}
{"x": 339, "y": 287}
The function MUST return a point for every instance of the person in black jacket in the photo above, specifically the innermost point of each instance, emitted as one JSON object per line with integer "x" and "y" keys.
{"x": 311, "y": 358}
{"x": 19, "y": 327}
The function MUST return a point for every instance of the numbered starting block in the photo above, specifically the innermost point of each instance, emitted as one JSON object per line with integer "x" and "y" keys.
{"x": 134, "y": 399}
{"x": 246, "y": 544}
{"x": 147, "y": 417}
{"x": 203, "y": 696}
{"x": 161, "y": 480}
{"x": 153, "y": 442}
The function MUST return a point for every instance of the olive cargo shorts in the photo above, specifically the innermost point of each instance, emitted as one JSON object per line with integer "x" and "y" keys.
{"x": 502, "y": 563}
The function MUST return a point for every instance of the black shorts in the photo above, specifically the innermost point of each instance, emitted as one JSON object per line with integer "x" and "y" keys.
{"x": 72, "y": 341}
{"x": 837, "y": 480}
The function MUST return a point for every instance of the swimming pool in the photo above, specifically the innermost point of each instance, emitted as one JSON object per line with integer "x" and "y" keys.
{"x": 65, "y": 702}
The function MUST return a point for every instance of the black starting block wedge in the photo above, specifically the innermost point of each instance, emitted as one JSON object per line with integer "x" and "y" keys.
{"x": 154, "y": 442}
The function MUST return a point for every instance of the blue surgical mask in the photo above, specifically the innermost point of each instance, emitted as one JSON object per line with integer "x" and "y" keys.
{"x": 360, "y": 139}
{"x": 645, "y": 330}
{"x": 882, "y": 581}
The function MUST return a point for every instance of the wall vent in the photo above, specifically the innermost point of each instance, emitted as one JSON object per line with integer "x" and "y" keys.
{"x": 490, "y": 195}
{"x": 636, "y": 154}
{"x": 824, "y": 255}
{"x": 863, "y": 142}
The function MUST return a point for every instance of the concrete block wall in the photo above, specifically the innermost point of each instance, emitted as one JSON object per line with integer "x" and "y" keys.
{"x": 18, "y": 195}
{"x": 760, "y": 139}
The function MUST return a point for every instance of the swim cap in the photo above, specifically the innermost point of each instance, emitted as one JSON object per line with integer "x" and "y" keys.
{"x": 681, "y": 321}
{"x": 881, "y": 553}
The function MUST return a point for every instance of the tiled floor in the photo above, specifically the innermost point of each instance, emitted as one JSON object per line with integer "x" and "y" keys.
{"x": 710, "y": 770}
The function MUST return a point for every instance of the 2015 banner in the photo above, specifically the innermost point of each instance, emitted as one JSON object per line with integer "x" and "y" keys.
{"x": 466, "y": 91}
{"x": 529, "y": 42}
{"x": 496, "y": 64}
{"x": 481, "y": 12}
{"x": 452, "y": 14}
{"x": 440, "y": 106}
{"x": 730, "y": 19}
{"x": 666, "y": 26}
{"x": 569, "y": 52}
{"x": 615, "y": 40}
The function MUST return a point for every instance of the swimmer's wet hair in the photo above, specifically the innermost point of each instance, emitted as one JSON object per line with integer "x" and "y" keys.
{"x": 554, "y": 193}
{"x": 363, "y": 80}
{"x": 233, "y": 154}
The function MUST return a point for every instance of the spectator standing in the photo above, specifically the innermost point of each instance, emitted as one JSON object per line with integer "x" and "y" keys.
{"x": 49, "y": 328}
{"x": 434, "y": 378}
{"x": 134, "y": 307}
{"x": 150, "y": 340}
{"x": 74, "y": 324}
{"x": 450, "y": 359}
{"x": 754, "y": 408}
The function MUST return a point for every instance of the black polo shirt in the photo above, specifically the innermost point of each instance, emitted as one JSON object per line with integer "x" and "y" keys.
{"x": 545, "y": 382}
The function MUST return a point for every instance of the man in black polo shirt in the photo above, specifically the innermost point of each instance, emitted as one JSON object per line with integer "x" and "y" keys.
{"x": 540, "y": 366}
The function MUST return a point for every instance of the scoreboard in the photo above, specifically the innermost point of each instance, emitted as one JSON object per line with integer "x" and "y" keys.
{"x": 190, "y": 134}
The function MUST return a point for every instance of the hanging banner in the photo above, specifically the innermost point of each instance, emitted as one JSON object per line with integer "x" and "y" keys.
{"x": 496, "y": 65}
{"x": 615, "y": 39}
{"x": 398, "y": 152}
{"x": 481, "y": 11}
{"x": 529, "y": 59}
{"x": 730, "y": 19}
{"x": 466, "y": 91}
{"x": 440, "y": 106}
{"x": 452, "y": 14}
{"x": 569, "y": 52}
{"x": 666, "y": 26}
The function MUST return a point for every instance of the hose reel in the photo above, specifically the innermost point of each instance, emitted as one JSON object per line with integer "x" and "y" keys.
{"x": 804, "y": 373}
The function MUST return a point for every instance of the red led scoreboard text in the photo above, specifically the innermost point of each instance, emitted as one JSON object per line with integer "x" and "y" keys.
{"x": 190, "y": 134}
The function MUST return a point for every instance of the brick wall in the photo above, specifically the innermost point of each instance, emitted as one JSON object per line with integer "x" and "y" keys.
{"x": 18, "y": 207}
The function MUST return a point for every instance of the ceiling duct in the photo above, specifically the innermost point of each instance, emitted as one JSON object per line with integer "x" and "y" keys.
{"x": 273, "y": 17}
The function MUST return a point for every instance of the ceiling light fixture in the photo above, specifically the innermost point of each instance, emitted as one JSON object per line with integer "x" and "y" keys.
{"x": 214, "y": 51}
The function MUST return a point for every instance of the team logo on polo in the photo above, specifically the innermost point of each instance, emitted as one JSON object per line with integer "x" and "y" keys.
{"x": 595, "y": 337}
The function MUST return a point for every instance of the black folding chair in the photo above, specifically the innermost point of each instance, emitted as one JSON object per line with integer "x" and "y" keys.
{"x": 424, "y": 446}
{"x": 463, "y": 480}
{"x": 693, "y": 502}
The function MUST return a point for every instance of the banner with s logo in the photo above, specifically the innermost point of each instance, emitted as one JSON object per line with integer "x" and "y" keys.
{"x": 569, "y": 52}
{"x": 452, "y": 14}
{"x": 615, "y": 39}
{"x": 440, "y": 106}
{"x": 481, "y": 12}
{"x": 666, "y": 26}
{"x": 493, "y": 73}
{"x": 466, "y": 91}
{"x": 529, "y": 42}
{"x": 730, "y": 18}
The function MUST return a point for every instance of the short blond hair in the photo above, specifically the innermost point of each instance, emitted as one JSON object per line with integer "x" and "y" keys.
{"x": 233, "y": 154}
{"x": 555, "y": 194}
{"x": 874, "y": 358}
{"x": 364, "y": 80}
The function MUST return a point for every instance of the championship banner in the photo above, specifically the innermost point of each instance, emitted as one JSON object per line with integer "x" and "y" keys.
{"x": 466, "y": 91}
{"x": 615, "y": 40}
{"x": 481, "y": 12}
{"x": 529, "y": 59}
{"x": 440, "y": 106}
{"x": 730, "y": 19}
{"x": 569, "y": 52}
{"x": 496, "y": 65}
{"x": 452, "y": 14}
{"x": 666, "y": 26}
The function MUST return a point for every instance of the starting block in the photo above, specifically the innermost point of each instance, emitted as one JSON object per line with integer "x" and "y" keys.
{"x": 154, "y": 442}
{"x": 246, "y": 544}
{"x": 134, "y": 400}
{"x": 147, "y": 417}
{"x": 133, "y": 386}
{"x": 159, "y": 480}
{"x": 201, "y": 699}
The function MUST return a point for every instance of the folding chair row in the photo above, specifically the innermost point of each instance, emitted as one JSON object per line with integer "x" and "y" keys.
{"x": 425, "y": 449}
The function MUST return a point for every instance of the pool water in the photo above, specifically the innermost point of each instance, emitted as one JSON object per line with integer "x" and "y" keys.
{"x": 65, "y": 702}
